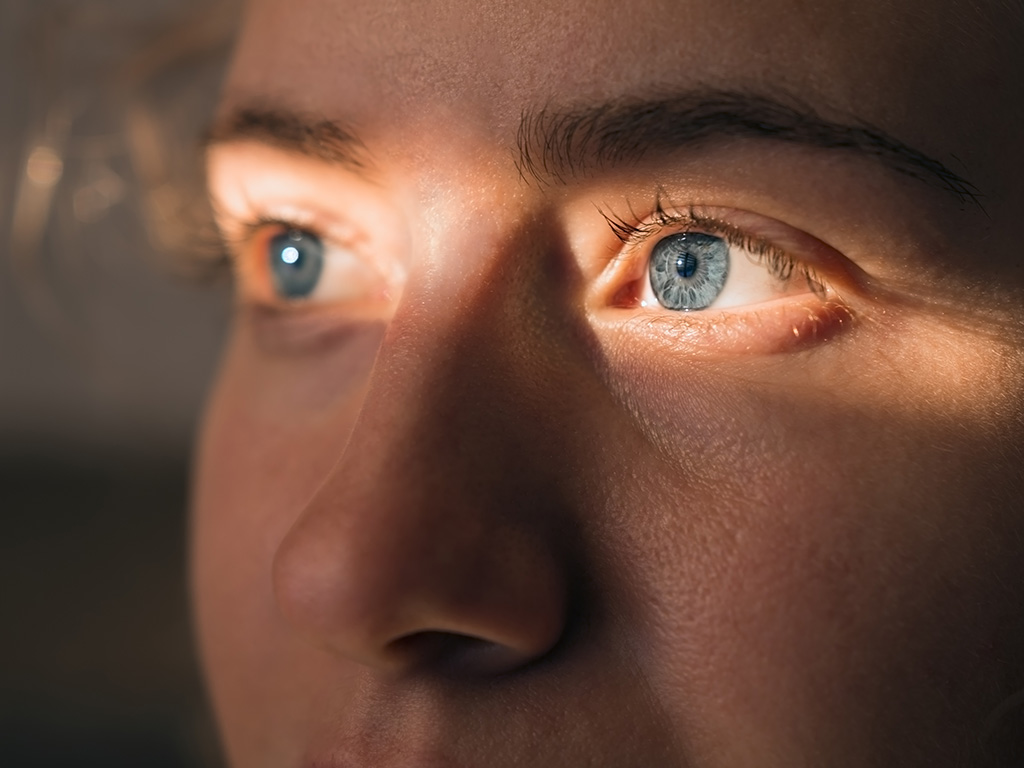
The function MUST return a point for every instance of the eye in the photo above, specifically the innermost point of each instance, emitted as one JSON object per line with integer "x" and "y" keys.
{"x": 701, "y": 259}
{"x": 296, "y": 261}
{"x": 723, "y": 281}
{"x": 282, "y": 264}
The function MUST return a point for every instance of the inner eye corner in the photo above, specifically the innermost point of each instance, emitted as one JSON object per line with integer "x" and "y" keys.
{"x": 627, "y": 295}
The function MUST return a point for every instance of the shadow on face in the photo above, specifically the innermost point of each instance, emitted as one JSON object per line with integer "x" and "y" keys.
{"x": 617, "y": 390}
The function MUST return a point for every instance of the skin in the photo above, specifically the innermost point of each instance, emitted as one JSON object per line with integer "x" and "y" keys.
{"x": 476, "y": 509}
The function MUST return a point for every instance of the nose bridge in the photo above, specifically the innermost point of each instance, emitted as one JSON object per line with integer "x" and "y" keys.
{"x": 448, "y": 379}
{"x": 427, "y": 524}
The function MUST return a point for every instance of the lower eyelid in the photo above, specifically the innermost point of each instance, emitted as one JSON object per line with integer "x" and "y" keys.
{"x": 779, "y": 326}
{"x": 303, "y": 329}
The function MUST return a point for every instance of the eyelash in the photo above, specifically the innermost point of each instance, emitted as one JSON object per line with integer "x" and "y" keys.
{"x": 637, "y": 230}
{"x": 248, "y": 230}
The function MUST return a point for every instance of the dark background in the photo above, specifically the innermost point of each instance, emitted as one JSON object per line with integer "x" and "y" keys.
{"x": 111, "y": 316}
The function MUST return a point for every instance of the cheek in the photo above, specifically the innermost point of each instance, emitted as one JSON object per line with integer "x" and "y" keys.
{"x": 839, "y": 559}
{"x": 272, "y": 432}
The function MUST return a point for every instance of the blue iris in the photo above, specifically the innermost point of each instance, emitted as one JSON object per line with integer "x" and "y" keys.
{"x": 296, "y": 261}
{"x": 688, "y": 270}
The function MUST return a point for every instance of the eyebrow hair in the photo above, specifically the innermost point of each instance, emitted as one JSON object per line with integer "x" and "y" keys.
{"x": 556, "y": 146}
{"x": 318, "y": 138}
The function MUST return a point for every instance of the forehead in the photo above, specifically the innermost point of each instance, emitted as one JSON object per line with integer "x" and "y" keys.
{"x": 944, "y": 76}
{"x": 486, "y": 59}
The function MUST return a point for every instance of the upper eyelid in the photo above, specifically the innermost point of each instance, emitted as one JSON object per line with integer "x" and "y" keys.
{"x": 635, "y": 232}
{"x": 272, "y": 188}
{"x": 239, "y": 232}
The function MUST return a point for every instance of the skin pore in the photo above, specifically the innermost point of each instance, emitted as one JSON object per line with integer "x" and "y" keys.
{"x": 476, "y": 498}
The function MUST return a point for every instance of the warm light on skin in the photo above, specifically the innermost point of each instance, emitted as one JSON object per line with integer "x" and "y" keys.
{"x": 366, "y": 270}
{"x": 480, "y": 501}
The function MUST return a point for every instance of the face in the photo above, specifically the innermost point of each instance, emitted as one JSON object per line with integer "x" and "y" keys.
{"x": 618, "y": 386}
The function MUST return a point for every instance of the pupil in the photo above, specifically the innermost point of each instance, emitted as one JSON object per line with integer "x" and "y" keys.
{"x": 686, "y": 265}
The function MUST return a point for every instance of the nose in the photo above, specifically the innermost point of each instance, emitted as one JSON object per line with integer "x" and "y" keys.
{"x": 432, "y": 542}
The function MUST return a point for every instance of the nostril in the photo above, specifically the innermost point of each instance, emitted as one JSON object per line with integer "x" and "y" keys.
{"x": 454, "y": 654}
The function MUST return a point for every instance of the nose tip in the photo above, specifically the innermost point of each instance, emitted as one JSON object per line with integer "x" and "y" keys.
{"x": 405, "y": 589}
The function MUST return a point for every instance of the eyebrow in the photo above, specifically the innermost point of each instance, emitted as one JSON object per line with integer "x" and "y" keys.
{"x": 556, "y": 146}
{"x": 562, "y": 145}
{"x": 317, "y": 138}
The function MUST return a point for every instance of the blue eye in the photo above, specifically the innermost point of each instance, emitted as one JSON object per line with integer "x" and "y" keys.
{"x": 296, "y": 261}
{"x": 688, "y": 270}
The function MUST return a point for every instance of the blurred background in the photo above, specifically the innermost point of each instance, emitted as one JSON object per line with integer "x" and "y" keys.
{"x": 112, "y": 310}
